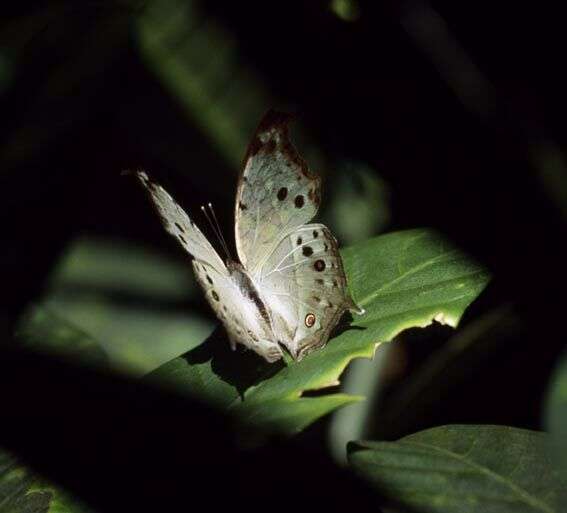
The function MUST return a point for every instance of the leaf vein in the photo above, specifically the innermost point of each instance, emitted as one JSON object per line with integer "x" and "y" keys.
{"x": 521, "y": 492}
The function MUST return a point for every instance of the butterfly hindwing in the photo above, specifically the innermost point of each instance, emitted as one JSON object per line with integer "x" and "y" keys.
{"x": 276, "y": 192}
{"x": 304, "y": 285}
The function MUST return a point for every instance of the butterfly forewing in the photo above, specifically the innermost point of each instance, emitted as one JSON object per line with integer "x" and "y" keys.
{"x": 178, "y": 224}
{"x": 275, "y": 195}
{"x": 223, "y": 290}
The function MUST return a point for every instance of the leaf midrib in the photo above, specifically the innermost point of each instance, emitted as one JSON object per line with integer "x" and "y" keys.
{"x": 400, "y": 277}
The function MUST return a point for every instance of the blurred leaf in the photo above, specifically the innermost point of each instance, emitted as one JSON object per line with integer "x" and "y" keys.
{"x": 23, "y": 492}
{"x": 116, "y": 266}
{"x": 136, "y": 339}
{"x": 176, "y": 41}
{"x": 556, "y": 414}
{"x": 464, "y": 468}
{"x": 40, "y": 329}
{"x": 402, "y": 279}
{"x": 362, "y": 377}
{"x": 346, "y": 10}
{"x": 124, "y": 296}
{"x": 443, "y": 371}
{"x": 359, "y": 206}
{"x": 79, "y": 47}
{"x": 20, "y": 489}
{"x": 6, "y": 72}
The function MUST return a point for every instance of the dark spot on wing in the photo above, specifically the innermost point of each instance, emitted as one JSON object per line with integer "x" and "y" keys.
{"x": 335, "y": 284}
{"x": 319, "y": 265}
{"x": 309, "y": 320}
{"x": 299, "y": 241}
{"x": 182, "y": 239}
{"x": 320, "y": 281}
{"x": 325, "y": 247}
{"x": 317, "y": 299}
{"x": 180, "y": 228}
{"x": 315, "y": 234}
{"x": 242, "y": 206}
{"x": 215, "y": 296}
{"x": 209, "y": 279}
{"x": 307, "y": 251}
{"x": 299, "y": 201}
{"x": 282, "y": 193}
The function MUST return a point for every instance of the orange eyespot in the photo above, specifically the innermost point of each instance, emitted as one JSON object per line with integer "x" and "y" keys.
{"x": 309, "y": 320}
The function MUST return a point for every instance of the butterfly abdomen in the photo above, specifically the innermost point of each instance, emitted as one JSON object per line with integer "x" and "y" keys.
{"x": 248, "y": 289}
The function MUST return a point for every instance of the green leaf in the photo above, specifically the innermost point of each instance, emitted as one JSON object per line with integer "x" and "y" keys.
{"x": 132, "y": 300}
{"x": 464, "y": 468}
{"x": 98, "y": 264}
{"x": 21, "y": 491}
{"x": 403, "y": 280}
{"x": 195, "y": 82}
{"x": 137, "y": 340}
{"x": 457, "y": 361}
{"x": 556, "y": 414}
{"x": 40, "y": 329}
{"x": 357, "y": 204}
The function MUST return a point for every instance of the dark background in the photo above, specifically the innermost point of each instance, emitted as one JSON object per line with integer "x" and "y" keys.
{"x": 459, "y": 107}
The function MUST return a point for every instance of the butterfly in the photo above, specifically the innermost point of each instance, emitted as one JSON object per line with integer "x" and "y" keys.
{"x": 288, "y": 287}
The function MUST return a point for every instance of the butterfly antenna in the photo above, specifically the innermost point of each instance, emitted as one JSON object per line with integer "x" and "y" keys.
{"x": 216, "y": 228}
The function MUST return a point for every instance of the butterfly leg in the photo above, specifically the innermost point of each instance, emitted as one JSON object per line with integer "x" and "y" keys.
{"x": 232, "y": 342}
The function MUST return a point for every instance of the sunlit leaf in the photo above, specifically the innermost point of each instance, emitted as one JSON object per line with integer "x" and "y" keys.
{"x": 403, "y": 280}
{"x": 470, "y": 468}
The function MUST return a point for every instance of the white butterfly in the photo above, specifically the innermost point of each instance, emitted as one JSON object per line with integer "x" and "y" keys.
{"x": 289, "y": 287}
